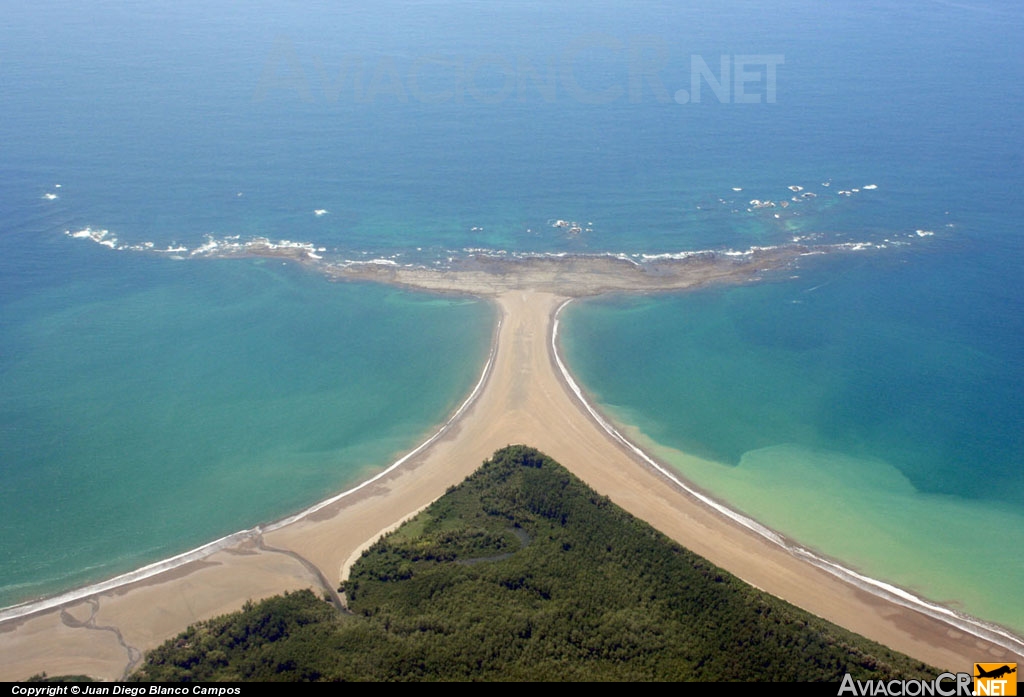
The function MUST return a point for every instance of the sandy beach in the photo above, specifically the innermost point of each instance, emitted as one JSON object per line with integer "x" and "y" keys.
{"x": 523, "y": 397}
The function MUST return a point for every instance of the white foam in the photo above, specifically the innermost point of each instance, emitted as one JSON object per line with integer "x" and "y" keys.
{"x": 320, "y": 211}
{"x": 234, "y": 245}
{"x": 670, "y": 256}
{"x": 210, "y": 246}
{"x": 102, "y": 237}
{"x": 125, "y": 579}
{"x": 376, "y": 262}
{"x": 870, "y": 187}
{"x": 50, "y": 196}
{"x": 749, "y": 251}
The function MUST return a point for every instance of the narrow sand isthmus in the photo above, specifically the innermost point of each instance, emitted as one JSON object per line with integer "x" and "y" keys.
{"x": 523, "y": 399}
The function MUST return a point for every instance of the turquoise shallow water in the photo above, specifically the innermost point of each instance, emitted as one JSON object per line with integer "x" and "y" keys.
{"x": 855, "y": 405}
{"x": 179, "y": 402}
{"x": 135, "y": 387}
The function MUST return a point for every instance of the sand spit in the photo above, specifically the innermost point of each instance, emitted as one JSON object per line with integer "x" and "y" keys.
{"x": 488, "y": 273}
{"x": 522, "y": 397}
{"x": 575, "y": 276}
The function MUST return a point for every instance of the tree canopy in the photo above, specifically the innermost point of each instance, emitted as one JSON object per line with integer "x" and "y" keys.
{"x": 522, "y": 572}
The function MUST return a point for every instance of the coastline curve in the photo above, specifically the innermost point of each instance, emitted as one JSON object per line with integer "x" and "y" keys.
{"x": 971, "y": 625}
{"x": 33, "y": 607}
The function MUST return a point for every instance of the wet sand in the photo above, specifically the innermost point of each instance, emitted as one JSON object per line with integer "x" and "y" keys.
{"x": 522, "y": 398}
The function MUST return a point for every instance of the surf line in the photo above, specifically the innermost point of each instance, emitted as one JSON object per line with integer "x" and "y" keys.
{"x": 42, "y": 605}
{"x": 971, "y": 625}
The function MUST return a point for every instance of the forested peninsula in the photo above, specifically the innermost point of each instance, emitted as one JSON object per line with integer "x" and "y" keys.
{"x": 522, "y": 572}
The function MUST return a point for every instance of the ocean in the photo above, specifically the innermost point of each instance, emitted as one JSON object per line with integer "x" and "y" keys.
{"x": 867, "y": 403}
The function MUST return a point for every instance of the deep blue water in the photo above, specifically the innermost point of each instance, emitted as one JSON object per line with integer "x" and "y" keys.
{"x": 134, "y": 383}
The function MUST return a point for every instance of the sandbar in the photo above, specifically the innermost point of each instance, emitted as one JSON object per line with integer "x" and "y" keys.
{"x": 522, "y": 397}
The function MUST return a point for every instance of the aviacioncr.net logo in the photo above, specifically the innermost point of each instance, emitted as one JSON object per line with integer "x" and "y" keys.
{"x": 995, "y": 679}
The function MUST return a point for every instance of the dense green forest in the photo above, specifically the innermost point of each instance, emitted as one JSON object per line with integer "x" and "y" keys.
{"x": 523, "y": 572}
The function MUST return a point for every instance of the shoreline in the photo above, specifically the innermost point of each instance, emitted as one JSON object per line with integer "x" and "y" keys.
{"x": 329, "y": 535}
{"x": 40, "y": 605}
{"x": 982, "y": 629}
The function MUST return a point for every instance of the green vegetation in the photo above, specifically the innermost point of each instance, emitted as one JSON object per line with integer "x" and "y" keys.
{"x": 524, "y": 573}
{"x": 43, "y": 677}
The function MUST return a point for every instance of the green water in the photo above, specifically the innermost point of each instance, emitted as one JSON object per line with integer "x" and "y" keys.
{"x": 836, "y": 407}
{"x": 184, "y": 401}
